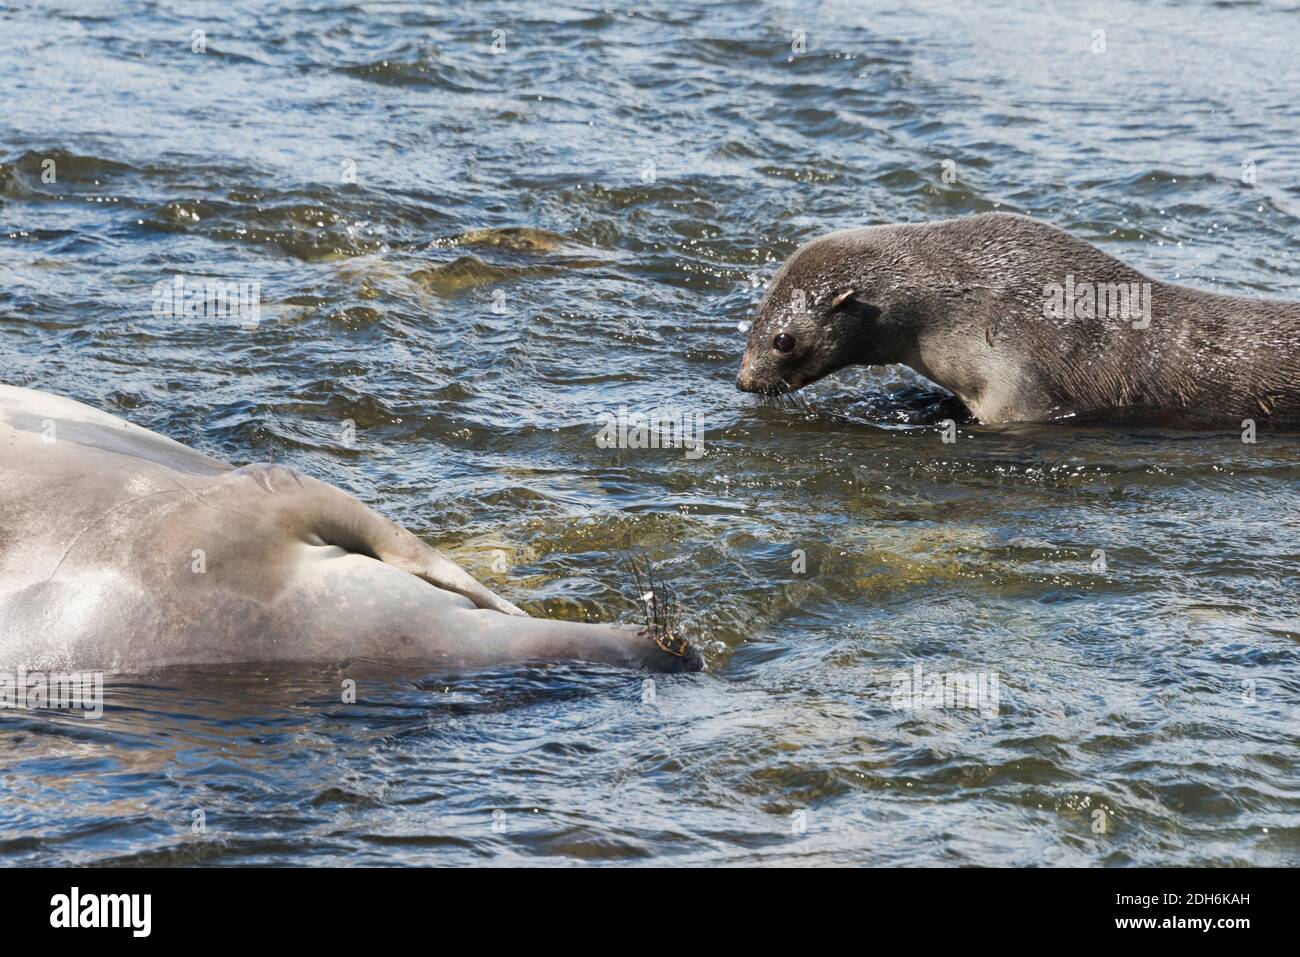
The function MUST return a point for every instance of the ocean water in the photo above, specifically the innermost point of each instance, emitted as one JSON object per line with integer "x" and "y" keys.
{"x": 474, "y": 229}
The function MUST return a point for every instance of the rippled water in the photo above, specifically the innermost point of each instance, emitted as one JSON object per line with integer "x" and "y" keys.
{"x": 580, "y": 221}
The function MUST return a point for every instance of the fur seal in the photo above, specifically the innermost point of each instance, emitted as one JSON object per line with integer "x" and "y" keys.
{"x": 1024, "y": 322}
{"x": 121, "y": 550}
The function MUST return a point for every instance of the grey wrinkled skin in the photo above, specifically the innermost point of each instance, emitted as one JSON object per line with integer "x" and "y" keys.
{"x": 121, "y": 550}
{"x": 962, "y": 303}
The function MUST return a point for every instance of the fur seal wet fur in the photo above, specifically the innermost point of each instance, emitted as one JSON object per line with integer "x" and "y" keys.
{"x": 1025, "y": 323}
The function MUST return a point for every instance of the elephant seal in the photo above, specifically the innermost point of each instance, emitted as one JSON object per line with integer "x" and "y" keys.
{"x": 1024, "y": 322}
{"x": 121, "y": 550}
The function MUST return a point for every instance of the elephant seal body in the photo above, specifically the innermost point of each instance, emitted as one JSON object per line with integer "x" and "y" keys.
{"x": 121, "y": 550}
{"x": 1024, "y": 322}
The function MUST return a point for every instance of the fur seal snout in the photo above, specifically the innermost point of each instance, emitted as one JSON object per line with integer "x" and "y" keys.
{"x": 1024, "y": 322}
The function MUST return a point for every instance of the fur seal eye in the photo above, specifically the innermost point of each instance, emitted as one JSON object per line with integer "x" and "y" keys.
{"x": 784, "y": 342}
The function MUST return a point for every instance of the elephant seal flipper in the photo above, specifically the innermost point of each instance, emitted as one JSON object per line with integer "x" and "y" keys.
{"x": 337, "y": 518}
{"x": 442, "y": 571}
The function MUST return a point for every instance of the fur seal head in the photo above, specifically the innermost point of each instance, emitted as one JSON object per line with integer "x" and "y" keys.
{"x": 832, "y": 304}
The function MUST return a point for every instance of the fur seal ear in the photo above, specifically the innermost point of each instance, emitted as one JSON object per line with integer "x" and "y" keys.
{"x": 842, "y": 298}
